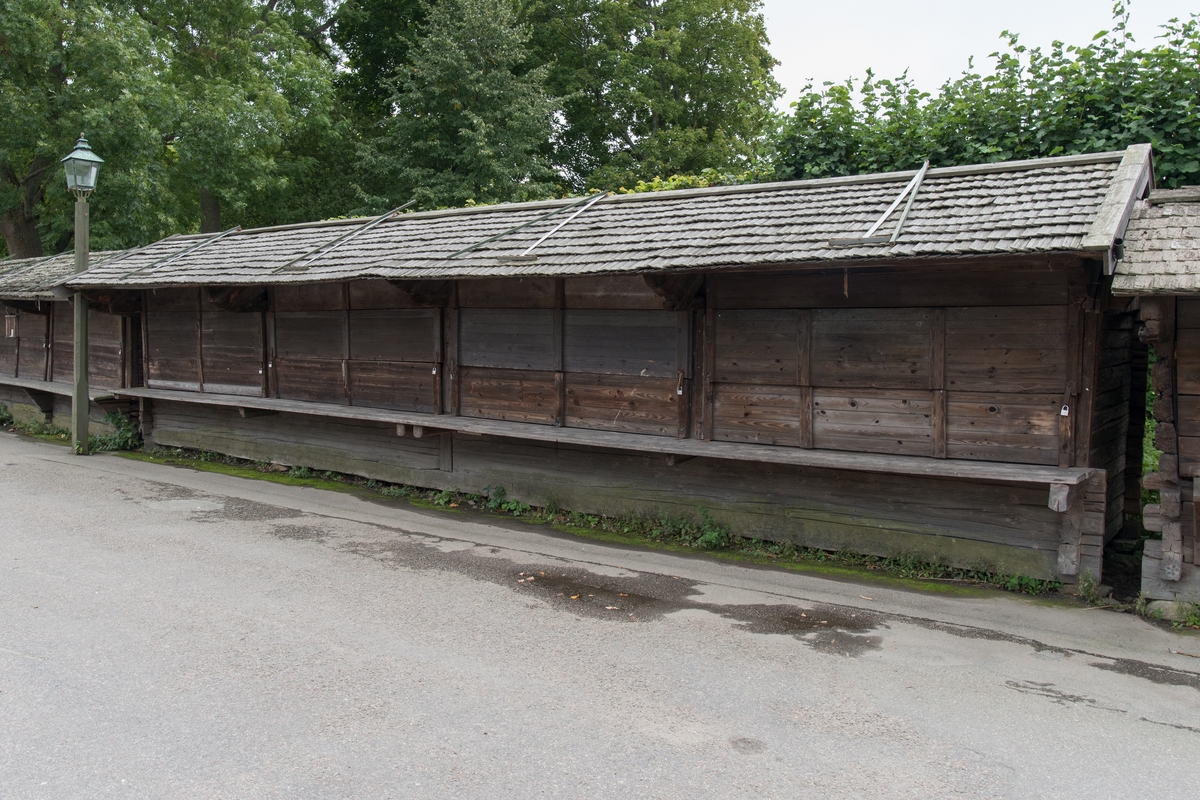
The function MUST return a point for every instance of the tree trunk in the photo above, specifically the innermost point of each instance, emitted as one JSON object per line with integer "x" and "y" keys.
{"x": 21, "y": 235}
{"x": 210, "y": 212}
{"x": 19, "y": 223}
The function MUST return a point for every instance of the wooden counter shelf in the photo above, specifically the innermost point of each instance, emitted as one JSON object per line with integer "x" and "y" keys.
{"x": 54, "y": 387}
{"x": 408, "y": 423}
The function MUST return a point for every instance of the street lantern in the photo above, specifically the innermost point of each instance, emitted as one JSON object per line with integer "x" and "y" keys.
{"x": 81, "y": 166}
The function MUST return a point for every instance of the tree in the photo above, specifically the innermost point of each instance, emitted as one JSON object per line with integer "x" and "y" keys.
{"x": 71, "y": 67}
{"x": 656, "y": 87}
{"x": 376, "y": 37}
{"x": 243, "y": 79}
{"x": 1105, "y": 95}
{"x": 471, "y": 123}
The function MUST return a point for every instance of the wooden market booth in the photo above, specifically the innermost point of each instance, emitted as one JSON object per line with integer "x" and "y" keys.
{"x": 37, "y": 350}
{"x": 920, "y": 362}
{"x": 1161, "y": 269}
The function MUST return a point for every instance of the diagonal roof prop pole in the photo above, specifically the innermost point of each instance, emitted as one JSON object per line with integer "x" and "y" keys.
{"x": 522, "y": 226}
{"x": 912, "y": 196}
{"x": 910, "y": 191}
{"x": 301, "y": 262}
{"x": 185, "y": 251}
{"x": 559, "y": 226}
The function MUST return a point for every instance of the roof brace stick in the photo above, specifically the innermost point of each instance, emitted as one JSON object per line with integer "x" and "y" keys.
{"x": 870, "y": 237}
{"x": 516, "y": 228}
{"x": 912, "y": 196}
{"x": 302, "y": 262}
{"x": 183, "y": 252}
{"x": 559, "y": 226}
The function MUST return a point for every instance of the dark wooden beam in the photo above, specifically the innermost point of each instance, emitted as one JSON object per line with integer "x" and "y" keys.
{"x": 679, "y": 291}
{"x": 237, "y": 298}
{"x": 426, "y": 293}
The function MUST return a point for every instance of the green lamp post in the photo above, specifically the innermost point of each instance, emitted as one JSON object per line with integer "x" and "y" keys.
{"x": 81, "y": 167}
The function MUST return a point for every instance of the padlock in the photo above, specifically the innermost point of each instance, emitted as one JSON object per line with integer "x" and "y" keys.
{"x": 1066, "y": 412}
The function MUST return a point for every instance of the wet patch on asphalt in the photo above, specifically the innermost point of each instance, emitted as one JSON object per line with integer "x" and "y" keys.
{"x": 303, "y": 533}
{"x": 627, "y": 596}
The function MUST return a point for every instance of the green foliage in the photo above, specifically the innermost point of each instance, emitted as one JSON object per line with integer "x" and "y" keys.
{"x": 1104, "y": 95}
{"x": 376, "y": 37}
{"x": 180, "y": 97}
{"x": 125, "y": 435}
{"x": 1088, "y": 589}
{"x": 660, "y": 87}
{"x": 471, "y": 123}
{"x": 300, "y": 472}
{"x": 6, "y": 417}
{"x": 1189, "y": 616}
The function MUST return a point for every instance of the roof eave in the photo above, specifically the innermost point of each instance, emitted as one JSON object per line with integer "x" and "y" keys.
{"x": 1133, "y": 180}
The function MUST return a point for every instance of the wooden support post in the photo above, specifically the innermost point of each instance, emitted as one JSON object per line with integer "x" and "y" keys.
{"x": 804, "y": 376}
{"x": 1093, "y": 324}
{"x": 560, "y": 381}
{"x": 200, "y": 338}
{"x": 272, "y": 373}
{"x": 346, "y": 343}
{"x": 452, "y": 370}
{"x": 710, "y": 337}
{"x": 1066, "y": 427}
{"x": 439, "y": 347}
{"x": 937, "y": 381}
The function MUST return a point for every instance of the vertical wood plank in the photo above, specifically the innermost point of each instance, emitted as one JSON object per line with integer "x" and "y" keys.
{"x": 560, "y": 381}
{"x": 937, "y": 380}
{"x": 446, "y": 452}
{"x": 938, "y": 422}
{"x": 439, "y": 369}
{"x": 804, "y": 375}
{"x": 272, "y": 375}
{"x": 1066, "y": 428}
{"x": 264, "y": 387}
{"x": 453, "y": 376}
{"x": 145, "y": 336}
{"x": 937, "y": 348}
{"x": 1089, "y": 374}
{"x": 710, "y": 328}
{"x": 804, "y": 349}
{"x": 53, "y": 317}
{"x": 200, "y": 336}
{"x": 696, "y": 397}
{"x": 1066, "y": 425}
{"x": 683, "y": 343}
{"x": 345, "y": 343}
{"x": 806, "y": 417}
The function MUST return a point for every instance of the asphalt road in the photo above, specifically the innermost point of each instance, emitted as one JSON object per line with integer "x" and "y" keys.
{"x": 176, "y": 634}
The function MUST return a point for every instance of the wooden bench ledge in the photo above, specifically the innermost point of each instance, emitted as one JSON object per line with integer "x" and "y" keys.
{"x": 53, "y": 387}
{"x": 680, "y": 449}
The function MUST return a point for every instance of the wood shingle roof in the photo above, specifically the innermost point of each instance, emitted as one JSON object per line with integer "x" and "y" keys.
{"x": 1072, "y": 204}
{"x": 1162, "y": 246}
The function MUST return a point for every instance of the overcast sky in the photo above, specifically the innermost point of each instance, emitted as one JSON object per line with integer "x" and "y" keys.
{"x": 836, "y": 39}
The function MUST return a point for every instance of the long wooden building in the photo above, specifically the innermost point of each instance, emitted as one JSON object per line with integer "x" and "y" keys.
{"x": 921, "y": 362}
{"x": 1161, "y": 269}
{"x": 37, "y": 351}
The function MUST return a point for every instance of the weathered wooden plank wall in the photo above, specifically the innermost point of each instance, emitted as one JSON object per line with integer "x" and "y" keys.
{"x": 961, "y": 522}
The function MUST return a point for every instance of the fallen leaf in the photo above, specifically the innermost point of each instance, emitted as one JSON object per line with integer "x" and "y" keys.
{"x": 574, "y": 597}
{"x": 622, "y": 594}
{"x": 611, "y": 608}
{"x": 864, "y": 597}
{"x": 454, "y": 505}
